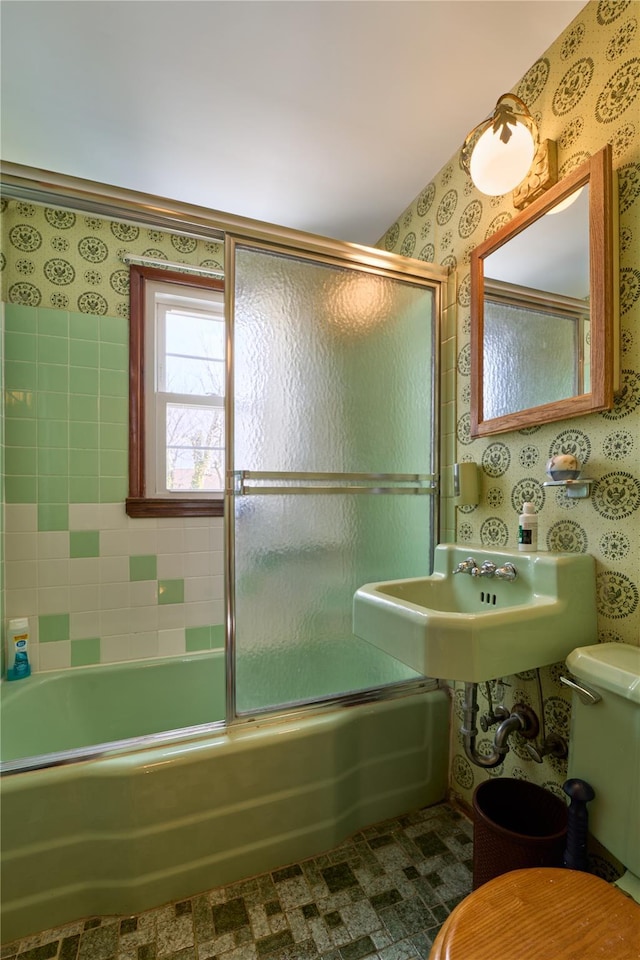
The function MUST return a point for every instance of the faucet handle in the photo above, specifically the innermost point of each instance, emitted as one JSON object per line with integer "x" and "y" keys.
{"x": 506, "y": 572}
{"x": 466, "y": 566}
{"x": 487, "y": 569}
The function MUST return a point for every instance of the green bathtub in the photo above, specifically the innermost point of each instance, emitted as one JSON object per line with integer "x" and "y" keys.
{"x": 149, "y": 822}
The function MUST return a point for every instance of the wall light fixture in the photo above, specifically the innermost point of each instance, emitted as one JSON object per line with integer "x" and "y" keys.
{"x": 498, "y": 153}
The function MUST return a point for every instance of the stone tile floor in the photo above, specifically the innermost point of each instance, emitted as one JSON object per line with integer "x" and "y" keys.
{"x": 382, "y": 895}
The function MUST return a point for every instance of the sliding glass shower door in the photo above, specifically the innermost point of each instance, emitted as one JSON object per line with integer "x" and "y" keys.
{"x": 331, "y": 466}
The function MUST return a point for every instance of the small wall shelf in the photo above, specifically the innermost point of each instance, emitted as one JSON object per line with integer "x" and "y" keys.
{"x": 576, "y": 489}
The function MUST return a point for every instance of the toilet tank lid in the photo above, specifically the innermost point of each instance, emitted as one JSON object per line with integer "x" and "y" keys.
{"x": 611, "y": 666}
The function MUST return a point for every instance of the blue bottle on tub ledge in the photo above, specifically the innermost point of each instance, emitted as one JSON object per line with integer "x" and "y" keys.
{"x": 18, "y": 666}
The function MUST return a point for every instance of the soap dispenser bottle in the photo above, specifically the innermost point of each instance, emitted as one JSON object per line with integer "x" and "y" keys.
{"x": 18, "y": 666}
{"x": 528, "y": 528}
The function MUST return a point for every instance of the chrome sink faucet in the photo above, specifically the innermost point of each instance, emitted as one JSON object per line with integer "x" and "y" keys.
{"x": 466, "y": 566}
{"x": 487, "y": 569}
{"x": 507, "y": 572}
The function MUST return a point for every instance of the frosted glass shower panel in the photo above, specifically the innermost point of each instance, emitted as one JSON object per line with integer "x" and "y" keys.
{"x": 299, "y": 560}
{"x": 333, "y": 404}
{"x": 332, "y": 368}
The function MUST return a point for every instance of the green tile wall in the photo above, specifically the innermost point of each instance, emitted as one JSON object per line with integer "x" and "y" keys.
{"x": 75, "y": 561}
{"x": 204, "y": 638}
{"x": 143, "y": 568}
{"x": 84, "y": 543}
{"x": 52, "y": 516}
{"x": 197, "y": 638}
{"x": 170, "y": 591}
{"x": 53, "y": 627}
{"x": 66, "y": 366}
{"x": 85, "y": 652}
{"x": 68, "y": 440}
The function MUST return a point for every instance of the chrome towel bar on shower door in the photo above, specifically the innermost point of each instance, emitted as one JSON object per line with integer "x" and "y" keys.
{"x": 245, "y": 482}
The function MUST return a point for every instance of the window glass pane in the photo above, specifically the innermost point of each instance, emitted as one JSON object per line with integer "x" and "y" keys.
{"x": 195, "y": 447}
{"x": 202, "y": 377}
{"x": 194, "y": 335}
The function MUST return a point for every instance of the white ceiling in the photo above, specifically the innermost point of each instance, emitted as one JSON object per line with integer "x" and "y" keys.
{"x": 328, "y": 116}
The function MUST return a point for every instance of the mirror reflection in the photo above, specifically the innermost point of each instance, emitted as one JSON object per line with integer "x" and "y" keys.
{"x": 536, "y": 312}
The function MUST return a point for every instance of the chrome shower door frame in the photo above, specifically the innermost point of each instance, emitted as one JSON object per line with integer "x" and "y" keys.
{"x": 46, "y": 187}
{"x": 243, "y": 482}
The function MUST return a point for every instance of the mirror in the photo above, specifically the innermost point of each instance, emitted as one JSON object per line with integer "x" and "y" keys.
{"x": 542, "y": 307}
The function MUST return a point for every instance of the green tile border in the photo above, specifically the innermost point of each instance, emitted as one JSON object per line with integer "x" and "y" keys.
{"x": 143, "y": 567}
{"x": 197, "y": 638}
{"x": 84, "y": 543}
{"x": 53, "y": 516}
{"x": 170, "y": 591}
{"x": 85, "y": 652}
{"x": 53, "y": 627}
{"x": 204, "y": 638}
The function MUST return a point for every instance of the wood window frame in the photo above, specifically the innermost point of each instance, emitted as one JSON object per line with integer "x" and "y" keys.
{"x": 138, "y": 504}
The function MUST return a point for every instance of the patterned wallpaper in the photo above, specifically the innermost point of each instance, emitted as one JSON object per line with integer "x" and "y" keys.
{"x": 64, "y": 260}
{"x": 583, "y": 93}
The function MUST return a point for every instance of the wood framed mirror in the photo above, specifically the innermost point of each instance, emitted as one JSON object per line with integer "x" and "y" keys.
{"x": 544, "y": 330}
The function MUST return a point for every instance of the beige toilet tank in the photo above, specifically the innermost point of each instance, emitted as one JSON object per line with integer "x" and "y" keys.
{"x": 604, "y": 745}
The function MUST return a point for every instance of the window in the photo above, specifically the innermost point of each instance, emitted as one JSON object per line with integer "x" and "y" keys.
{"x": 177, "y": 386}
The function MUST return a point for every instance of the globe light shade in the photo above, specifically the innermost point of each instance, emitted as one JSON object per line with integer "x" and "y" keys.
{"x": 497, "y": 167}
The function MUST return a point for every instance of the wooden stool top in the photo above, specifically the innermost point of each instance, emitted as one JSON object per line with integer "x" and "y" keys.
{"x": 542, "y": 913}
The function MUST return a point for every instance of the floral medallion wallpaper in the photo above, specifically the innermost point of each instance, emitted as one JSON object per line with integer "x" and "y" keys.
{"x": 71, "y": 261}
{"x": 583, "y": 93}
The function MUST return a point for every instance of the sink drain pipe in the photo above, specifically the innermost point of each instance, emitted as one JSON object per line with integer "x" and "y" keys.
{"x": 521, "y": 718}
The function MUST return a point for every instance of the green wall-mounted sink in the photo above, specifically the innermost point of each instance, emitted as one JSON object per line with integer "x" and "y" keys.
{"x": 457, "y": 626}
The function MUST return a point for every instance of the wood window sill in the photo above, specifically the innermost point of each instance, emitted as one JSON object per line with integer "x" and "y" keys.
{"x": 178, "y": 507}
